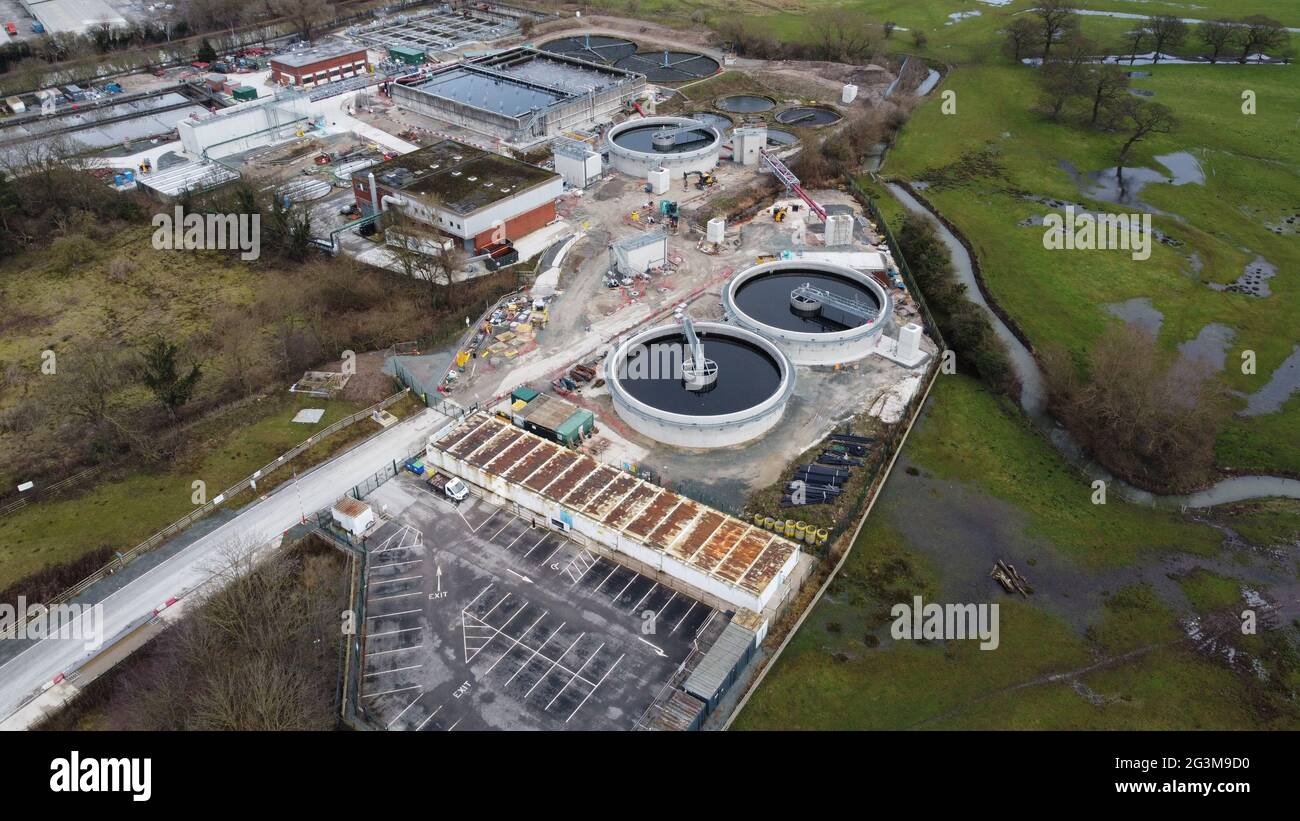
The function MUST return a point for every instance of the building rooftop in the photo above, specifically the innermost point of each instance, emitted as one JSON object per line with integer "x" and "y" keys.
{"x": 315, "y": 54}
{"x": 461, "y": 178}
{"x": 547, "y": 411}
{"x": 349, "y": 506}
{"x": 709, "y": 541}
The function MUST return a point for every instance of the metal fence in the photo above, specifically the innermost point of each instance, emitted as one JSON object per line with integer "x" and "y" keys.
{"x": 226, "y": 495}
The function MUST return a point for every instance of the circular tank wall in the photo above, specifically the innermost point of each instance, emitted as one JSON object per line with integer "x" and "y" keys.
{"x": 763, "y": 299}
{"x": 679, "y": 144}
{"x": 753, "y": 384}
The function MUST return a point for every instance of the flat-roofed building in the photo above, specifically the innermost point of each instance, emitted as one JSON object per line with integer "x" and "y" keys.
{"x": 464, "y": 192}
{"x": 310, "y": 67}
{"x": 522, "y": 95}
{"x": 714, "y": 556}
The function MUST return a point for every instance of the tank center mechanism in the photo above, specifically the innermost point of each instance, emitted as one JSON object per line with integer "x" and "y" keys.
{"x": 698, "y": 372}
{"x": 807, "y": 300}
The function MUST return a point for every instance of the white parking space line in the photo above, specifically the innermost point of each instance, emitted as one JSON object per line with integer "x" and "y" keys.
{"x": 394, "y": 650}
{"x": 576, "y": 674}
{"x": 557, "y": 549}
{"x": 430, "y": 718}
{"x": 399, "y": 715}
{"x": 395, "y": 580}
{"x": 517, "y": 538}
{"x": 683, "y": 618}
{"x": 395, "y": 632}
{"x": 398, "y": 596}
{"x": 534, "y": 547}
{"x": 554, "y": 664}
{"x": 614, "y": 570}
{"x": 394, "y": 564}
{"x": 390, "y": 692}
{"x": 630, "y": 582}
{"x": 453, "y": 726}
{"x": 536, "y": 652}
{"x": 394, "y": 670}
{"x": 594, "y": 689}
{"x": 493, "y": 537}
{"x": 395, "y": 615}
{"x": 515, "y": 642}
{"x": 476, "y": 598}
{"x": 646, "y": 596}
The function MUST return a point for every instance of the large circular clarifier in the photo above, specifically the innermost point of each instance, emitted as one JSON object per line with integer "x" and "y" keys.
{"x": 819, "y": 313}
{"x": 670, "y": 66}
{"x": 595, "y": 48}
{"x": 679, "y": 144}
{"x": 808, "y": 116}
{"x": 738, "y": 394}
{"x": 745, "y": 103}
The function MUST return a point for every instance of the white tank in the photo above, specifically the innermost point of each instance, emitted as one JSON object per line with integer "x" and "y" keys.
{"x": 909, "y": 341}
{"x": 658, "y": 179}
{"x": 849, "y": 93}
{"x": 716, "y": 230}
{"x": 839, "y": 229}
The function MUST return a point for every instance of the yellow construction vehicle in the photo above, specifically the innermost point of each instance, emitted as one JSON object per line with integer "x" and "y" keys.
{"x": 778, "y": 214}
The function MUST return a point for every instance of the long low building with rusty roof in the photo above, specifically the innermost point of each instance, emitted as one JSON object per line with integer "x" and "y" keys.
{"x": 703, "y": 548}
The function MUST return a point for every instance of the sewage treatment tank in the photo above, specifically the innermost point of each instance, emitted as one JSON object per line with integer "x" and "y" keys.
{"x": 679, "y": 144}
{"x": 699, "y": 384}
{"x": 819, "y": 313}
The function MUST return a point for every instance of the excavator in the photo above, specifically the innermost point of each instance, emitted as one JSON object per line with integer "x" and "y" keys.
{"x": 703, "y": 179}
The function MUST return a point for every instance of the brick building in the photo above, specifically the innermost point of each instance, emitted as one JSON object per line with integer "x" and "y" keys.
{"x": 321, "y": 64}
{"x": 464, "y": 192}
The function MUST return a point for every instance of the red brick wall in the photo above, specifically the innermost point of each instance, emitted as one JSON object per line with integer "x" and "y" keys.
{"x": 521, "y": 225}
{"x": 294, "y": 75}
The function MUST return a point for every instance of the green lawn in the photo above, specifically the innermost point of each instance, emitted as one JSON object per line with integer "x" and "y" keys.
{"x": 842, "y": 670}
{"x": 995, "y": 148}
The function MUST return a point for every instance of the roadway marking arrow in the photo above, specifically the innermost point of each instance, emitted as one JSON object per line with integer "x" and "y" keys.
{"x": 521, "y": 576}
{"x": 658, "y": 652}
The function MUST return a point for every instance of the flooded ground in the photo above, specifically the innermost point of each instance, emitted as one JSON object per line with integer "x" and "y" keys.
{"x": 1123, "y": 186}
{"x": 1139, "y": 312}
{"x": 1284, "y": 382}
{"x": 1253, "y": 281}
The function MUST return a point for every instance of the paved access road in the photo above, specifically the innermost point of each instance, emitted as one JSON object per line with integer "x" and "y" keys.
{"x": 26, "y": 673}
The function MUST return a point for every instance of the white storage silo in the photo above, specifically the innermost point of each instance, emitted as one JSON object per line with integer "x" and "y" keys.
{"x": 849, "y": 93}
{"x": 716, "y": 230}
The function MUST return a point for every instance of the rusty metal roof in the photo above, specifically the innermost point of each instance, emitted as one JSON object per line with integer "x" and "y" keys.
{"x": 707, "y": 540}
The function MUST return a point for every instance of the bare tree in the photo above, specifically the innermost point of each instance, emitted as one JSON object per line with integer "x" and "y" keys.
{"x": 1261, "y": 34}
{"x": 1218, "y": 35}
{"x": 1106, "y": 85}
{"x": 1057, "y": 18}
{"x": 1133, "y": 41}
{"x": 304, "y": 14}
{"x": 1166, "y": 31}
{"x": 1141, "y": 120}
{"x": 1020, "y": 37}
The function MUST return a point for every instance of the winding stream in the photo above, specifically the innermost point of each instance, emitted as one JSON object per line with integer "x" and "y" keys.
{"x": 1033, "y": 399}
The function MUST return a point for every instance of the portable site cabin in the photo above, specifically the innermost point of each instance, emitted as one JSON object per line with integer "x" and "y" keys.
{"x": 554, "y": 418}
{"x": 410, "y": 56}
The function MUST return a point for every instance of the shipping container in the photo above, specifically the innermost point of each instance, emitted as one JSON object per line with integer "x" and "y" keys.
{"x": 16, "y": 105}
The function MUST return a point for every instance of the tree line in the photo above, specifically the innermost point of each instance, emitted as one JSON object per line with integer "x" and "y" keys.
{"x": 1056, "y": 22}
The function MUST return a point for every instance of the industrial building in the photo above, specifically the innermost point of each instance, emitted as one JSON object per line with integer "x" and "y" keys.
{"x": 715, "y": 556}
{"x": 72, "y": 16}
{"x": 522, "y": 95}
{"x": 465, "y": 192}
{"x": 243, "y": 128}
{"x": 307, "y": 68}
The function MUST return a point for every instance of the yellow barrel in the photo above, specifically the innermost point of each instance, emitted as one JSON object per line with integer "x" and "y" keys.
{"x": 758, "y": 519}
{"x": 810, "y": 535}
{"x": 769, "y": 522}
{"x": 799, "y": 530}
{"x": 823, "y": 535}
{"x": 789, "y": 527}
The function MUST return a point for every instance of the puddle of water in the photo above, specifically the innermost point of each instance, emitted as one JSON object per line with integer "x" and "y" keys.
{"x": 1141, "y": 92}
{"x": 1105, "y": 185}
{"x": 927, "y": 85}
{"x": 958, "y": 16}
{"x": 1210, "y": 345}
{"x": 1284, "y": 382}
{"x": 1253, "y": 281}
{"x": 1139, "y": 312}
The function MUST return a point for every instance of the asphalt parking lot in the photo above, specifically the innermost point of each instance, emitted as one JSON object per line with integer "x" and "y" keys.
{"x": 476, "y": 619}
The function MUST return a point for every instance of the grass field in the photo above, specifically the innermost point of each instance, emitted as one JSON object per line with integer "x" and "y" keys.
{"x": 125, "y": 512}
{"x": 1130, "y": 669}
{"x": 995, "y": 149}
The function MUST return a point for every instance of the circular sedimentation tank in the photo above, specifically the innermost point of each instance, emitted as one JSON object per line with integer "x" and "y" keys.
{"x": 819, "y": 313}
{"x": 721, "y": 122}
{"x": 593, "y": 47}
{"x": 680, "y": 144}
{"x": 670, "y": 66}
{"x": 655, "y": 390}
{"x": 809, "y": 116}
{"x": 779, "y": 138}
{"x": 745, "y": 103}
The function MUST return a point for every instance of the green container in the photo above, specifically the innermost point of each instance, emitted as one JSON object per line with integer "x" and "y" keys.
{"x": 244, "y": 93}
{"x": 410, "y": 56}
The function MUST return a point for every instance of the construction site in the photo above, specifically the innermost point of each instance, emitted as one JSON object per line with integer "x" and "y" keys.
{"x": 690, "y": 321}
